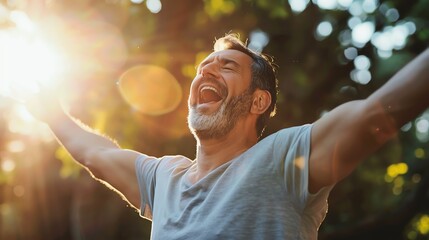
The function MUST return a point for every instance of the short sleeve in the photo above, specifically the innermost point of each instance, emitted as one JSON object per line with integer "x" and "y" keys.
{"x": 292, "y": 149}
{"x": 146, "y": 167}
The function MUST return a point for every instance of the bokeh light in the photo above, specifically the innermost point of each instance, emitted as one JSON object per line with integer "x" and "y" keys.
{"x": 323, "y": 30}
{"x": 392, "y": 38}
{"x": 344, "y": 4}
{"x": 369, "y": 6}
{"x": 422, "y": 127}
{"x": 150, "y": 89}
{"x": 419, "y": 153}
{"x": 361, "y": 76}
{"x": 298, "y": 6}
{"x": 16, "y": 146}
{"x": 423, "y": 224}
{"x": 353, "y": 22}
{"x": 362, "y": 33}
{"x": 362, "y": 62}
{"x": 258, "y": 40}
{"x": 407, "y": 127}
{"x": 8, "y": 165}
{"x": 154, "y": 6}
{"x": 355, "y": 8}
{"x": 326, "y": 4}
{"x": 350, "y": 53}
{"x": 392, "y": 14}
{"x": 397, "y": 169}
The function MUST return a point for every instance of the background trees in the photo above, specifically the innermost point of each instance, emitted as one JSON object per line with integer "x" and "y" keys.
{"x": 328, "y": 52}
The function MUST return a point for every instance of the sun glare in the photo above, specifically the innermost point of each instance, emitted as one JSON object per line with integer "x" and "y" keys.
{"x": 26, "y": 59}
{"x": 150, "y": 89}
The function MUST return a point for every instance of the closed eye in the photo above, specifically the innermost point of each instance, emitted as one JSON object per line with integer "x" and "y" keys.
{"x": 229, "y": 67}
{"x": 229, "y": 64}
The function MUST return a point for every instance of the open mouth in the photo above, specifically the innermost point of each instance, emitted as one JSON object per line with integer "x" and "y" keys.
{"x": 209, "y": 94}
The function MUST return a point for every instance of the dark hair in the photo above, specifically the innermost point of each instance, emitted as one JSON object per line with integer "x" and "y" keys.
{"x": 263, "y": 74}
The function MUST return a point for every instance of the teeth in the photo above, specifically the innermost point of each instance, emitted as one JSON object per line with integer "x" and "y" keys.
{"x": 209, "y": 88}
{"x": 209, "y": 94}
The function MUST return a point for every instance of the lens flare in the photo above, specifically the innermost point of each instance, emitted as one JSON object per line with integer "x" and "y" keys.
{"x": 150, "y": 89}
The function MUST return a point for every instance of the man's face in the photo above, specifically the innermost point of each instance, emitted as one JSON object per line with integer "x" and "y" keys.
{"x": 220, "y": 94}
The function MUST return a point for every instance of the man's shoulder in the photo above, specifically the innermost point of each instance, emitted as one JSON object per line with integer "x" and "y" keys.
{"x": 167, "y": 161}
{"x": 289, "y": 132}
{"x": 174, "y": 161}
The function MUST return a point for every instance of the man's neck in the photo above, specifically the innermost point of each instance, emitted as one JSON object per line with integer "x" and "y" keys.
{"x": 211, "y": 153}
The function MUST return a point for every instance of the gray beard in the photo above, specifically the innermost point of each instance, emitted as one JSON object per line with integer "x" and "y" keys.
{"x": 221, "y": 122}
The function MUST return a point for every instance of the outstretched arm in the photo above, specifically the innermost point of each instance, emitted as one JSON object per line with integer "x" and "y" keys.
{"x": 100, "y": 155}
{"x": 351, "y": 132}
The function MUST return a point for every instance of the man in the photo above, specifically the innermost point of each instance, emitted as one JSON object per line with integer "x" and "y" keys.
{"x": 238, "y": 187}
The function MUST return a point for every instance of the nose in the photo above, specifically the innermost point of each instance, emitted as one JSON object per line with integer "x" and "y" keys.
{"x": 210, "y": 70}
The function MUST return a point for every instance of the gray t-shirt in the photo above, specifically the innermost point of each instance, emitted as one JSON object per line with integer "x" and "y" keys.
{"x": 261, "y": 194}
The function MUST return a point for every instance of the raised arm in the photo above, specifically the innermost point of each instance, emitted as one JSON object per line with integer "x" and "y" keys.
{"x": 101, "y": 156}
{"x": 351, "y": 132}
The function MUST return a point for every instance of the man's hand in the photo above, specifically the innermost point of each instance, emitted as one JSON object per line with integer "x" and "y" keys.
{"x": 44, "y": 104}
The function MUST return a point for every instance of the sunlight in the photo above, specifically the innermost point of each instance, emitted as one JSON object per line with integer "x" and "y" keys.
{"x": 26, "y": 59}
{"x": 299, "y": 162}
{"x": 21, "y": 122}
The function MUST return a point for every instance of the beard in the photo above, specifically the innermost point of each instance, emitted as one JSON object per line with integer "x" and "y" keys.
{"x": 221, "y": 122}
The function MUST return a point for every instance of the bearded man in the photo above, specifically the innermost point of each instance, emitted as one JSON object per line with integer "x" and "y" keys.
{"x": 239, "y": 186}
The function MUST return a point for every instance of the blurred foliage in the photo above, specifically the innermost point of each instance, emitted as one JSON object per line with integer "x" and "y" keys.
{"x": 385, "y": 198}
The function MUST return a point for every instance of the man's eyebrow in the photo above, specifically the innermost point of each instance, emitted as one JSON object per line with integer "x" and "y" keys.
{"x": 223, "y": 60}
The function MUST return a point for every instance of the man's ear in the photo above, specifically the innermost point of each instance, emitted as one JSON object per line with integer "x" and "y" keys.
{"x": 261, "y": 101}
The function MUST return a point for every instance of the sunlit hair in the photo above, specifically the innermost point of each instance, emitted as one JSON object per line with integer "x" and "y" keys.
{"x": 263, "y": 74}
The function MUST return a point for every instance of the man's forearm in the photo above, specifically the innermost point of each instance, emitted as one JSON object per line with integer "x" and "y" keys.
{"x": 79, "y": 140}
{"x": 98, "y": 154}
{"x": 406, "y": 94}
